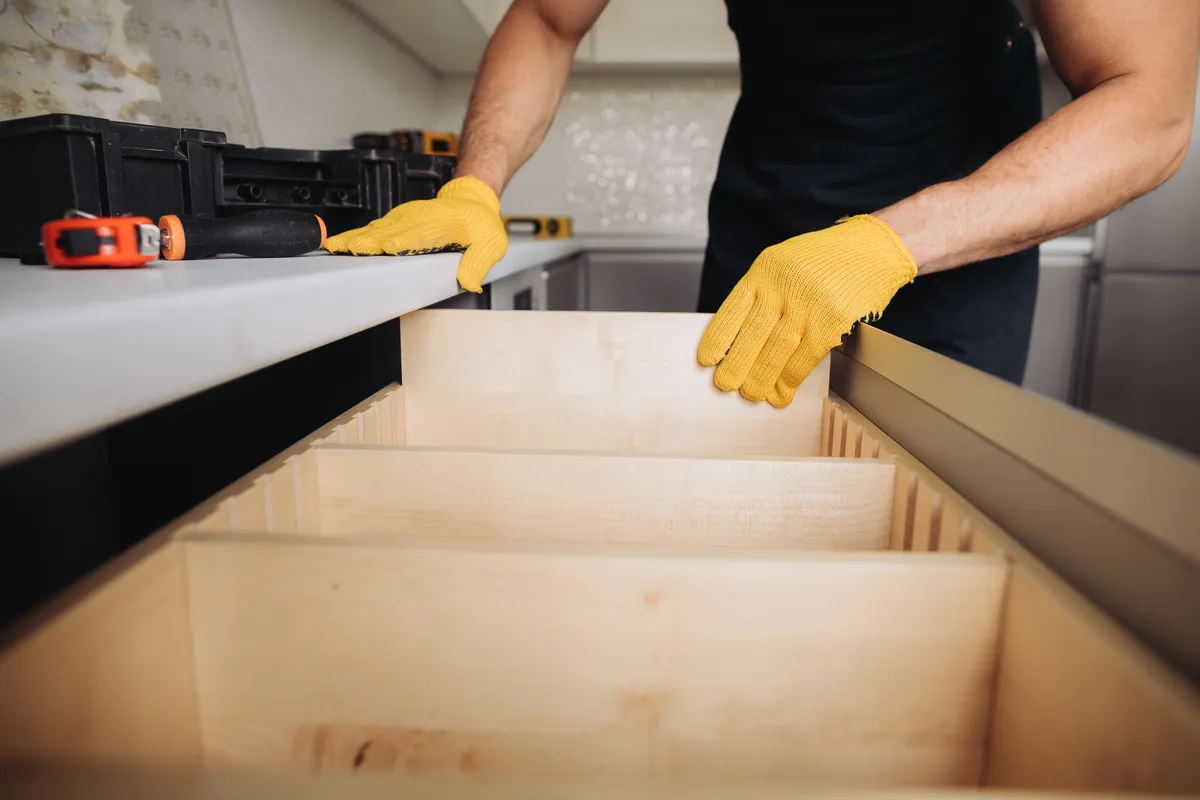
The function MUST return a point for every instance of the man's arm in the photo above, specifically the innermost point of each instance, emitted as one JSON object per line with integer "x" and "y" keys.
{"x": 1131, "y": 66}
{"x": 520, "y": 84}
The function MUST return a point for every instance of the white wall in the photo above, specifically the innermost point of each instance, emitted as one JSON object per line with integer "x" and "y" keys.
{"x": 318, "y": 74}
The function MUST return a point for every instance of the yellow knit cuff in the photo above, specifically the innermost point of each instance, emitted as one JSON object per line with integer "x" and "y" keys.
{"x": 470, "y": 188}
{"x": 886, "y": 238}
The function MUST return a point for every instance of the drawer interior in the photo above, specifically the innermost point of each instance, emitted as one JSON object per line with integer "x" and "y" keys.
{"x": 422, "y": 658}
{"x": 557, "y": 553}
{"x": 535, "y": 661}
{"x": 589, "y": 381}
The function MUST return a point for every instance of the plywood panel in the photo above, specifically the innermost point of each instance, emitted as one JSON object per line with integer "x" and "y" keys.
{"x": 221, "y": 782}
{"x": 853, "y": 439}
{"x": 218, "y": 518}
{"x": 903, "y": 502}
{"x": 307, "y": 503}
{"x": 250, "y": 508}
{"x": 837, "y": 445}
{"x": 1080, "y": 707}
{"x": 370, "y": 425}
{"x": 816, "y": 504}
{"x": 826, "y": 425}
{"x": 951, "y": 529}
{"x": 927, "y": 508}
{"x": 864, "y": 668}
{"x": 281, "y": 499}
{"x": 624, "y": 382}
{"x": 108, "y": 672}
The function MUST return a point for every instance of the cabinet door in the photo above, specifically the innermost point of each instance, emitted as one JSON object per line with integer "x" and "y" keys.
{"x": 1144, "y": 376}
{"x": 665, "y": 32}
{"x": 1052, "y": 347}
{"x": 644, "y": 281}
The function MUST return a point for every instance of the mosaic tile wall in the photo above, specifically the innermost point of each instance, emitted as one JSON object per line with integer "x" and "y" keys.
{"x": 643, "y": 154}
{"x": 626, "y": 153}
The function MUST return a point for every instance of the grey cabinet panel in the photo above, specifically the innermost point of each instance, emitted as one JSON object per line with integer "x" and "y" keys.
{"x": 644, "y": 281}
{"x": 1146, "y": 369}
{"x": 566, "y": 287}
{"x": 1052, "y": 349}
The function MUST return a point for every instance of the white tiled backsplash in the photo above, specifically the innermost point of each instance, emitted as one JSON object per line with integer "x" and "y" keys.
{"x": 643, "y": 153}
{"x": 625, "y": 152}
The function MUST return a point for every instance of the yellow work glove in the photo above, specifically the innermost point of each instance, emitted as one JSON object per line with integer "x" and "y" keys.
{"x": 465, "y": 217}
{"x": 797, "y": 301}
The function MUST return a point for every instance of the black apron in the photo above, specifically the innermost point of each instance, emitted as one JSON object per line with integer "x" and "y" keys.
{"x": 849, "y": 107}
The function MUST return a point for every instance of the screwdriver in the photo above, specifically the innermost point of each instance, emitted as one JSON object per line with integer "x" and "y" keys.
{"x": 266, "y": 233}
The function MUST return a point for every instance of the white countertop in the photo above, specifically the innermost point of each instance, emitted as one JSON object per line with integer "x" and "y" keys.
{"x": 83, "y": 349}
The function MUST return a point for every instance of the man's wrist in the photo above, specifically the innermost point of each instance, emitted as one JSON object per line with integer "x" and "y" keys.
{"x": 485, "y": 162}
{"x": 929, "y": 224}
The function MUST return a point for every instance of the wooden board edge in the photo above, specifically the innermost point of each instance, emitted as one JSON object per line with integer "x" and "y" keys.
{"x": 595, "y": 549}
{"x": 986, "y": 537}
{"x": 224, "y": 502}
{"x": 236, "y": 782}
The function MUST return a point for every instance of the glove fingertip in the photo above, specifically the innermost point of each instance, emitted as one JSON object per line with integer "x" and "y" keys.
{"x": 781, "y": 398}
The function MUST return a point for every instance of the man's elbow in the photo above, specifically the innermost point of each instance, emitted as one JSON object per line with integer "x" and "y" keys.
{"x": 1179, "y": 142}
{"x": 1174, "y": 136}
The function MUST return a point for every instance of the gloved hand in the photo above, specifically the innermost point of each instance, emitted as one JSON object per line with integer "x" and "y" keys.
{"x": 797, "y": 301}
{"x": 465, "y": 217}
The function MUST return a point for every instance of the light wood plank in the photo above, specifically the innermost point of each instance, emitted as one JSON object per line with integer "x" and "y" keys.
{"x": 950, "y": 529}
{"x": 986, "y": 538}
{"x": 370, "y": 425}
{"x": 927, "y": 505}
{"x": 220, "y": 518}
{"x": 903, "y": 497}
{"x": 250, "y": 508}
{"x": 223, "y": 782}
{"x": 387, "y": 421}
{"x": 812, "y": 504}
{"x": 853, "y": 439}
{"x": 871, "y": 669}
{"x": 1079, "y": 706}
{"x": 399, "y": 416}
{"x": 281, "y": 491}
{"x": 838, "y": 434}
{"x": 308, "y": 503}
{"x": 868, "y": 446}
{"x": 826, "y": 425}
{"x": 350, "y": 432}
{"x": 106, "y": 672}
{"x": 622, "y": 382}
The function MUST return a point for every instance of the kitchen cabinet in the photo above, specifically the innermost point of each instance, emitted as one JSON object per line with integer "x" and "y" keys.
{"x": 450, "y": 35}
{"x": 643, "y": 280}
{"x": 1144, "y": 372}
{"x": 1052, "y": 368}
{"x": 557, "y": 553}
{"x": 666, "y": 33}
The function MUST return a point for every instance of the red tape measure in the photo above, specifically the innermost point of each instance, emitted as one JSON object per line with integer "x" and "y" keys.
{"x": 82, "y": 240}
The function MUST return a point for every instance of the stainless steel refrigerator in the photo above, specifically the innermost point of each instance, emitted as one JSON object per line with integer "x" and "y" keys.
{"x": 1140, "y": 354}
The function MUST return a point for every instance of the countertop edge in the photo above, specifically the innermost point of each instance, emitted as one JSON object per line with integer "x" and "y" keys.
{"x": 157, "y": 352}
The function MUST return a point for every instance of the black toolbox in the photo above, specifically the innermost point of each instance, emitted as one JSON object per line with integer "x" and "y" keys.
{"x": 57, "y": 162}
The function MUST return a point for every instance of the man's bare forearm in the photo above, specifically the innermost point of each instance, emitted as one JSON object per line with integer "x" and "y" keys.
{"x": 520, "y": 85}
{"x": 1094, "y": 155}
{"x": 1121, "y": 138}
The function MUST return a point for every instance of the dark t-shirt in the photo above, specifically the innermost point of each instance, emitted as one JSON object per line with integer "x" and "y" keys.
{"x": 849, "y": 107}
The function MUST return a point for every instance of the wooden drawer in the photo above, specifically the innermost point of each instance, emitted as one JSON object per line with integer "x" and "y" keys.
{"x": 558, "y": 555}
